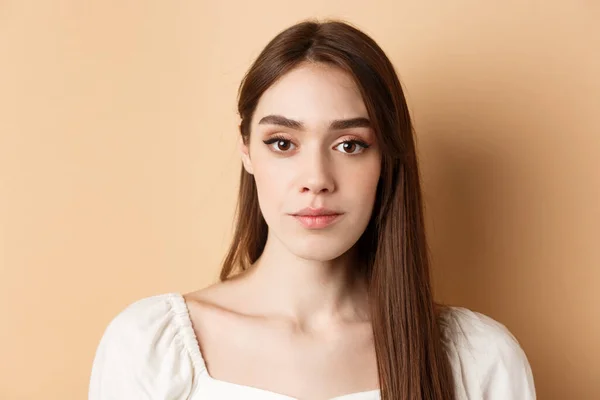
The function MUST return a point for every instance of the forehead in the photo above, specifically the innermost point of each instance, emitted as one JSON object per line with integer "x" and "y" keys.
{"x": 313, "y": 93}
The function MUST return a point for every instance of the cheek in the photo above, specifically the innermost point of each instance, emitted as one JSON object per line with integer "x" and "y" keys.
{"x": 364, "y": 180}
{"x": 270, "y": 183}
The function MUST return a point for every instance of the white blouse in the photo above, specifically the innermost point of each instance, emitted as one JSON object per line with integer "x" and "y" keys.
{"x": 150, "y": 351}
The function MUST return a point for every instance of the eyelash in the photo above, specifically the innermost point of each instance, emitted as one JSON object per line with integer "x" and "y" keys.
{"x": 278, "y": 138}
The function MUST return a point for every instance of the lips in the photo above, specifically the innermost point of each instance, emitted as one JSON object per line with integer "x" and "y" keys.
{"x": 317, "y": 221}
{"x": 313, "y": 212}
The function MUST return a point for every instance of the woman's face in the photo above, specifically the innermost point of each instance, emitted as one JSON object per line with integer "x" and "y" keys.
{"x": 308, "y": 149}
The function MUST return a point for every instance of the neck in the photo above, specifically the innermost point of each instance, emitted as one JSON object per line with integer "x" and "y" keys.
{"x": 312, "y": 294}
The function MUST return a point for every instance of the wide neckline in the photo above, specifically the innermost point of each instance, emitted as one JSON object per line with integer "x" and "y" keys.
{"x": 191, "y": 342}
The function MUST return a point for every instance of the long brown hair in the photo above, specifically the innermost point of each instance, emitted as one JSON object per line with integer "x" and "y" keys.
{"x": 407, "y": 324}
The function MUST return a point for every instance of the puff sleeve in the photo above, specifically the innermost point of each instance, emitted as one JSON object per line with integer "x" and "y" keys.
{"x": 488, "y": 361}
{"x": 141, "y": 356}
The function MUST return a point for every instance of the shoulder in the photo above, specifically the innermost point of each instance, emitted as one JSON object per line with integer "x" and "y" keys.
{"x": 140, "y": 313}
{"x": 153, "y": 323}
{"x": 469, "y": 327}
{"x": 486, "y": 357}
{"x": 146, "y": 348}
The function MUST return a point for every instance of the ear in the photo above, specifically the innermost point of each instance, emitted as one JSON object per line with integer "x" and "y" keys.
{"x": 246, "y": 161}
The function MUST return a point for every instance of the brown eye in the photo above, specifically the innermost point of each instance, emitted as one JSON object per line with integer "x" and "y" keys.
{"x": 349, "y": 147}
{"x": 283, "y": 145}
{"x": 353, "y": 147}
{"x": 279, "y": 144}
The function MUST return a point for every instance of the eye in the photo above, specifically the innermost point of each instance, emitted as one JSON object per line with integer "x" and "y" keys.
{"x": 281, "y": 144}
{"x": 350, "y": 146}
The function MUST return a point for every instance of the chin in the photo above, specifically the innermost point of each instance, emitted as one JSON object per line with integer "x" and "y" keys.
{"x": 318, "y": 249}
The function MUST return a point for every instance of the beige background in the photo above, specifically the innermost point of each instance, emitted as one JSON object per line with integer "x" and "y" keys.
{"x": 118, "y": 165}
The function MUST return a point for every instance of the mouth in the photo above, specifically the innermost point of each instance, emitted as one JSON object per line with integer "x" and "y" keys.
{"x": 317, "y": 221}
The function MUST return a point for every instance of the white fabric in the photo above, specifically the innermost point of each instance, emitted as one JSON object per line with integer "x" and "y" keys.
{"x": 149, "y": 351}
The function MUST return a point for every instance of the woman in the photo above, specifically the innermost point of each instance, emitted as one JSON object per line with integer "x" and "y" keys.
{"x": 325, "y": 292}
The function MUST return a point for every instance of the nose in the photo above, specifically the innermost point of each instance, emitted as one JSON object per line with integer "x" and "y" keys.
{"x": 317, "y": 174}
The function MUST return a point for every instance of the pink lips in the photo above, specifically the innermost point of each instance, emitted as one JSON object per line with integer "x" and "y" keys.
{"x": 316, "y": 218}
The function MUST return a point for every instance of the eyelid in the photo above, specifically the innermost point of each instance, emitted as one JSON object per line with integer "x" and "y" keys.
{"x": 356, "y": 138}
{"x": 346, "y": 138}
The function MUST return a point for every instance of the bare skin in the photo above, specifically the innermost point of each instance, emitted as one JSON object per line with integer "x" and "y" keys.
{"x": 247, "y": 341}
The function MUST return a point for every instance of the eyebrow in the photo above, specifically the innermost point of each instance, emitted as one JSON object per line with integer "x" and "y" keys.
{"x": 335, "y": 125}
